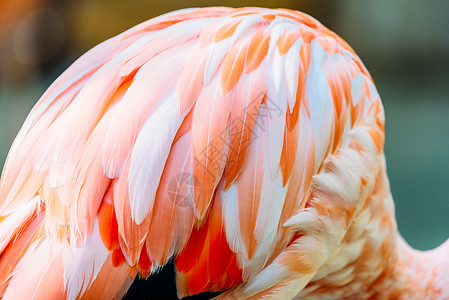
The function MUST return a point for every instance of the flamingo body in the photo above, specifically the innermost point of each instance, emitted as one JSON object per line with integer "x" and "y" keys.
{"x": 245, "y": 144}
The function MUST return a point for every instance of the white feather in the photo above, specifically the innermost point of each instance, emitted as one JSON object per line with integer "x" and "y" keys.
{"x": 152, "y": 82}
{"x": 318, "y": 95}
{"x": 272, "y": 116}
{"x": 269, "y": 211}
{"x": 292, "y": 62}
{"x": 245, "y": 24}
{"x": 278, "y": 67}
{"x": 82, "y": 265}
{"x": 271, "y": 275}
{"x": 266, "y": 227}
{"x": 217, "y": 53}
{"x": 357, "y": 84}
{"x": 229, "y": 199}
{"x": 149, "y": 156}
{"x": 277, "y": 94}
{"x": 306, "y": 220}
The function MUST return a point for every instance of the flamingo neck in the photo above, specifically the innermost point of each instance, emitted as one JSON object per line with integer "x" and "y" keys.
{"x": 405, "y": 273}
{"x": 408, "y": 273}
{"x": 417, "y": 274}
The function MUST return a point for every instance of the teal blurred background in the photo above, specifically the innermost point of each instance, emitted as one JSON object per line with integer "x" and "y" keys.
{"x": 403, "y": 43}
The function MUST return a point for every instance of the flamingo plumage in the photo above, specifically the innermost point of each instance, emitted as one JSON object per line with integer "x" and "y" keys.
{"x": 244, "y": 144}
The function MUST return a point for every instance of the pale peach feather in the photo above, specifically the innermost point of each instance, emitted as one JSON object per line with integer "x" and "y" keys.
{"x": 266, "y": 118}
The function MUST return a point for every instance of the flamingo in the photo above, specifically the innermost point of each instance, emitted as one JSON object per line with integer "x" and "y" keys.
{"x": 245, "y": 145}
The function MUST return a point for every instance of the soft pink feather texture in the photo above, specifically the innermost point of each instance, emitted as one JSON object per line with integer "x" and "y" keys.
{"x": 245, "y": 144}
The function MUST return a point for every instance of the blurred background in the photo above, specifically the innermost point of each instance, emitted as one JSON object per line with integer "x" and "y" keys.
{"x": 403, "y": 43}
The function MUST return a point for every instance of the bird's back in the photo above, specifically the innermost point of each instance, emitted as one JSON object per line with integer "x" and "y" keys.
{"x": 245, "y": 144}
